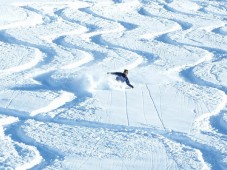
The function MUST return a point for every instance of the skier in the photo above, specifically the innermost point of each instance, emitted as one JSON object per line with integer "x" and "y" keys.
{"x": 122, "y": 77}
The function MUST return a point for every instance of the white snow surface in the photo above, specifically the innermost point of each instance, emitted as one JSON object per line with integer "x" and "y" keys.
{"x": 60, "y": 110}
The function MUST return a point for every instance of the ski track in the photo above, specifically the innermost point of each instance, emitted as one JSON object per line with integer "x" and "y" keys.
{"x": 91, "y": 44}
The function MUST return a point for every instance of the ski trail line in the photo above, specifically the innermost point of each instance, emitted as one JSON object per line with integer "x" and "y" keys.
{"x": 155, "y": 107}
{"x": 206, "y": 105}
{"x": 109, "y": 109}
{"x": 126, "y": 106}
{"x": 12, "y": 97}
{"x": 93, "y": 149}
{"x": 196, "y": 112}
{"x": 160, "y": 101}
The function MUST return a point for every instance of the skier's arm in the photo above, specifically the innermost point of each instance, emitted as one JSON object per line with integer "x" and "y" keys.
{"x": 115, "y": 73}
{"x": 128, "y": 83}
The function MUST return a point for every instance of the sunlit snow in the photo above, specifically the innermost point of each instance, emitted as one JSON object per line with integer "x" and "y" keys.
{"x": 59, "y": 109}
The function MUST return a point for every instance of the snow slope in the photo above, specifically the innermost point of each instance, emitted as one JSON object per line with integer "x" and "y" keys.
{"x": 60, "y": 110}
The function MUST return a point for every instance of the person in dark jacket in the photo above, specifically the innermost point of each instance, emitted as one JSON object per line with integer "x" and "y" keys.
{"x": 122, "y": 77}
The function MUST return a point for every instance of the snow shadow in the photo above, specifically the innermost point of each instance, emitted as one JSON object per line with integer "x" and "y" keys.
{"x": 219, "y": 122}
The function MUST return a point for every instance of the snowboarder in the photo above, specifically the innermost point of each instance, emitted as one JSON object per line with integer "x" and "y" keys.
{"x": 122, "y": 77}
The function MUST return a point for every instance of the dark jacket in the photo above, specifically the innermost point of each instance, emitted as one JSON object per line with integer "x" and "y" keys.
{"x": 122, "y": 77}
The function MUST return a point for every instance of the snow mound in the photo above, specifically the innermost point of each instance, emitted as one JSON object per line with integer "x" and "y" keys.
{"x": 15, "y": 58}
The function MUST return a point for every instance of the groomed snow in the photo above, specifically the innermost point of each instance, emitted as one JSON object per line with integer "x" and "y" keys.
{"x": 59, "y": 109}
